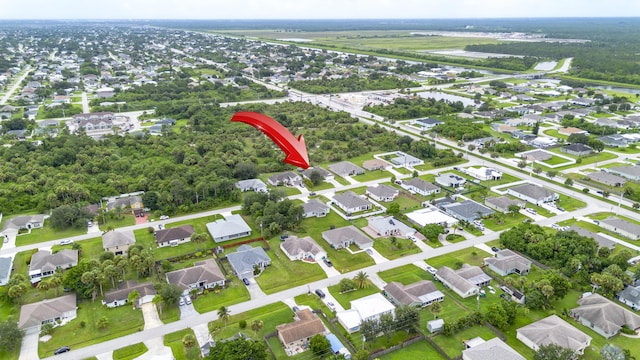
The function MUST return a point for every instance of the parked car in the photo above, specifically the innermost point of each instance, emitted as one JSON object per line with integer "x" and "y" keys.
{"x": 526, "y": 221}
{"x": 312, "y": 193}
{"x": 328, "y": 262}
{"x": 164, "y": 217}
{"x": 491, "y": 289}
{"x": 181, "y": 302}
{"x": 295, "y": 309}
{"x": 187, "y": 299}
{"x": 331, "y": 306}
{"x": 506, "y": 289}
{"x": 431, "y": 270}
{"x": 66, "y": 242}
{"x": 495, "y": 249}
{"x": 559, "y": 208}
{"x": 246, "y": 281}
{"x": 531, "y": 211}
{"x": 320, "y": 293}
{"x": 61, "y": 350}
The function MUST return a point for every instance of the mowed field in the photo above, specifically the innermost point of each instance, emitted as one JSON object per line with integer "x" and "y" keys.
{"x": 400, "y": 40}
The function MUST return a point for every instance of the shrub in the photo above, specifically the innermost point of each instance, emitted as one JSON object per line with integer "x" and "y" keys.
{"x": 242, "y": 324}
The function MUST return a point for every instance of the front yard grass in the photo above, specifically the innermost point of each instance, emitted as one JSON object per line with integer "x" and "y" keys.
{"x": 569, "y": 204}
{"x": 345, "y": 299}
{"x": 89, "y": 249}
{"x": 284, "y": 274}
{"x": 555, "y": 160}
{"x": 372, "y": 175}
{"x": 418, "y": 350}
{"x": 46, "y": 233}
{"x": 391, "y": 251}
{"x": 406, "y": 274}
{"x": 315, "y": 303}
{"x": 508, "y": 221}
{"x": 130, "y": 352}
{"x": 466, "y": 256}
{"x": 169, "y": 314}
{"x": 174, "y": 341}
{"x": 83, "y": 331}
{"x": 271, "y": 315}
{"x": 454, "y": 344}
{"x": 234, "y": 293}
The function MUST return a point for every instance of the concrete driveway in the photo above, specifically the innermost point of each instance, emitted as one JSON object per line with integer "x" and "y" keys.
{"x": 329, "y": 299}
{"x": 375, "y": 255}
{"x": 330, "y": 271}
{"x": 254, "y": 289}
{"x": 150, "y": 316}
{"x": 187, "y": 311}
{"x": 157, "y": 350}
{"x": 29, "y": 350}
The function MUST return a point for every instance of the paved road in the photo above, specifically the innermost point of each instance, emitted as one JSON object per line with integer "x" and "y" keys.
{"x": 85, "y": 103}
{"x": 15, "y": 86}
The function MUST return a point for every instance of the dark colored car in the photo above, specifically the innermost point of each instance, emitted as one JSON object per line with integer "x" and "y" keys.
{"x": 328, "y": 262}
{"x": 495, "y": 249}
{"x": 246, "y": 281}
{"x": 320, "y": 293}
{"x": 62, "y": 350}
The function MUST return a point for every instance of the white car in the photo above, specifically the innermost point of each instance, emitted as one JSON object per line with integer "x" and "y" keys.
{"x": 66, "y": 242}
{"x": 331, "y": 306}
{"x": 531, "y": 211}
{"x": 491, "y": 289}
{"x": 164, "y": 217}
{"x": 431, "y": 270}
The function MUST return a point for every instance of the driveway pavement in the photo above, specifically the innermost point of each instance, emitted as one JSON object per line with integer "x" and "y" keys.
{"x": 254, "y": 289}
{"x": 330, "y": 271}
{"x": 29, "y": 350}
{"x": 375, "y": 255}
{"x": 187, "y": 311}
{"x": 329, "y": 299}
{"x": 157, "y": 350}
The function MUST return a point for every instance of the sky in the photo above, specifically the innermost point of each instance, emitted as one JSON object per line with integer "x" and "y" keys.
{"x": 313, "y": 9}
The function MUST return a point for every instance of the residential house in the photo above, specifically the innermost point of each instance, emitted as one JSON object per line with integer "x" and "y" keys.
{"x": 346, "y": 168}
{"x": 246, "y": 259}
{"x": 553, "y": 330}
{"x": 385, "y": 226}
{"x": 406, "y": 160}
{"x": 606, "y": 178}
{"x": 345, "y": 236}
{"x": 503, "y": 128}
{"x": 483, "y": 173}
{"x": 493, "y": 349}
{"x": 326, "y": 175}
{"x": 487, "y": 140}
{"x": 568, "y": 131}
{"x": 302, "y": 249}
{"x": 542, "y": 142}
{"x": 467, "y": 210}
{"x": 375, "y": 164}
{"x": 363, "y": 309}
{"x": 174, "y": 236}
{"x": 623, "y": 227}
{"x": 287, "y": 178}
{"x": 465, "y": 281}
{"x": 6, "y": 263}
{"x": 630, "y": 296}
{"x": 118, "y": 242}
{"x": 255, "y": 185}
{"x": 533, "y": 193}
{"x": 606, "y": 122}
{"x": 615, "y": 141}
{"x": 419, "y": 294}
{"x": 233, "y": 227}
{"x": 44, "y": 264}
{"x": 351, "y": 203}
{"x": 421, "y": 187}
{"x": 315, "y": 207}
{"x": 426, "y": 123}
{"x": 603, "y": 315}
{"x": 536, "y": 155}
{"x": 601, "y": 240}
{"x": 508, "y": 262}
{"x": 57, "y": 310}
{"x": 577, "y": 149}
{"x": 450, "y": 180}
{"x": 26, "y": 222}
{"x": 382, "y": 192}
{"x": 582, "y": 101}
{"x": 431, "y": 215}
{"x": 202, "y": 275}
{"x": 131, "y": 203}
{"x": 629, "y": 172}
{"x": 298, "y": 333}
{"x": 120, "y": 295}
{"x": 502, "y": 203}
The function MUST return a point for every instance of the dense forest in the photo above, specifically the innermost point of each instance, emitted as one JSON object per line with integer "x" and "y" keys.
{"x": 193, "y": 169}
{"x": 416, "y": 107}
{"x": 375, "y": 81}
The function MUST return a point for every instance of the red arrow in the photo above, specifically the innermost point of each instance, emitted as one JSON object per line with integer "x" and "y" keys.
{"x": 295, "y": 149}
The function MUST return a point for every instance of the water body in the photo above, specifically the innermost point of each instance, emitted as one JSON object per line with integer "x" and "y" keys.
{"x": 546, "y": 65}
{"x": 447, "y": 97}
{"x": 618, "y": 89}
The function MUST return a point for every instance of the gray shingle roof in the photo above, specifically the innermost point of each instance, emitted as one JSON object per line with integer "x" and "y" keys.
{"x": 532, "y": 190}
{"x": 631, "y": 294}
{"x": 601, "y": 240}
{"x": 605, "y": 314}
{"x": 34, "y": 314}
{"x": 21, "y": 221}
{"x": 125, "y": 288}
{"x": 314, "y": 205}
{"x": 468, "y": 209}
{"x": 293, "y": 245}
{"x": 503, "y": 202}
{"x": 384, "y": 191}
{"x": 181, "y": 232}
{"x": 493, "y": 349}
{"x": 347, "y": 233}
{"x": 606, "y": 178}
{"x": 247, "y": 257}
{"x": 44, "y": 261}
{"x": 207, "y": 271}
{"x": 422, "y": 185}
{"x": 554, "y": 330}
{"x": 346, "y": 168}
{"x": 419, "y": 292}
{"x": 350, "y": 200}
{"x": 231, "y": 225}
{"x": 622, "y": 225}
{"x": 118, "y": 238}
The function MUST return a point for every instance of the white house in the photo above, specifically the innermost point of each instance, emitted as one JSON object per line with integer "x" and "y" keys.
{"x": 120, "y": 296}
{"x": 233, "y": 227}
{"x": 465, "y": 281}
{"x": 302, "y": 249}
{"x": 61, "y": 309}
{"x": 382, "y": 192}
{"x": 421, "y": 187}
{"x": 351, "y": 203}
{"x": 363, "y": 309}
{"x": 533, "y": 193}
{"x": 483, "y": 173}
{"x": 315, "y": 208}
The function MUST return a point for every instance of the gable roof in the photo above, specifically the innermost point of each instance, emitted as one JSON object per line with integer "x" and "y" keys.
{"x": 34, "y": 314}
{"x": 231, "y": 225}
{"x": 314, "y": 205}
{"x": 284, "y": 177}
{"x": 577, "y": 147}
{"x": 422, "y": 184}
{"x": 305, "y": 327}
{"x": 532, "y": 190}
{"x": 622, "y": 225}
{"x": 350, "y": 200}
{"x": 447, "y": 274}
{"x": 44, "y": 261}
{"x": 419, "y": 292}
{"x": 346, "y": 233}
{"x": 251, "y": 184}
{"x": 319, "y": 170}
{"x": 384, "y": 224}
{"x": 605, "y": 314}
{"x": 345, "y": 167}
{"x": 293, "y": 245}
{"x": 493, "y": 349}
{"x": 22, "y": 221}
{"x": 125, "y": 288}
{"x": 6, "y": 263}
{"x": 468, "y": 209}
{"x": 630, "y": 293}
{"x": 554, "y": 330}
{"x": 384, "y": 191}
{"x": 503, "y": 202}
{"x": 206, "y": 270}
{"x": 601, "y": 240}
{"x": 506, "y": 260}
{"x": 247, "y": 257}
{"x": 167, "y": 235}
{"x": 117, "y": 238}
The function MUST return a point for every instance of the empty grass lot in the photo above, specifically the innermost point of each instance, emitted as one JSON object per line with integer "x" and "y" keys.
{"x": 391, "y": 251}
{"x": 345, "y": 299}
{"x": 46, "y": 233}
{"x": 465, "y": 255}
{"x": 174, "y": 341}
{"x": 419, "y": 350}
{"x": 284, "y": 274}
{"x": 82, "y": 331}
{"x": 407, "y": 274}
{"x": 271, "y": 315}
{"x": 372, "y": 175}
{"x": 234, "y": 293}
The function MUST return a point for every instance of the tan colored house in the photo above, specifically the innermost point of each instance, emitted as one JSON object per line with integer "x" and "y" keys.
{"x": 298, "y": 333}
{"x": 61, "y": 309}
{"x": 118, "y": 242}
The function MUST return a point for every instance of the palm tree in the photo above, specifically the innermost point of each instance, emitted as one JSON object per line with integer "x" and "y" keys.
{"x": 199, "y": 238}
{"x": 44, "y": 285}
{"x": 158, "y": 301}
{"x": 435, "y": 308}
{"x": 133, "y": 298}
{"x": 223, "y": 314}
{"x": 188, "y": 341}
{"x": 56, "y": 280}
{"x": 362, "y": 279}
{"x": 256, "y": 326}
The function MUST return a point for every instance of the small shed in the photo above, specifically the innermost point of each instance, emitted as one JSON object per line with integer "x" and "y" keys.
{"x": 435, "y": 326}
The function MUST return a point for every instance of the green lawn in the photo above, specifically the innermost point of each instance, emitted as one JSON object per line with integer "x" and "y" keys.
{"x": 585, "y": 160}
{"x": 373, "y": 175}
{"x": 554, "y": 133}
{"x": 342, "y": 259}
{"x": 506, "y": 178}
{"x": 569, "y": 204}
{"x": 464, "y": 255}
{"x": 47, "y": 233}
{"x": 313, "y": 301}
{"x": 401, "y": 248}
{"x": 89, "y": 249}
{"x": 169, "y": 314}
{"x": 174, "y": 341}
{"x": 418, "y": 350}
{"x": 454, "y": 238}
{"x": 454, "y": 344}
{"x": 234, "y": 293}
{"x": 284, "y": 274}
{"x": 82, "y": 331}
{"x": 407, "y": 201}
{"x": 555, "y": 160}
{"x": 271, "y": 315}
{"x": 509, "y": 221}
{"x": 407, "y": 274}
{"x": 130, "y": 352}
{"x": 127, "y": 220}
{"x": 345, "y": 299}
